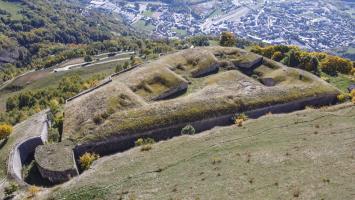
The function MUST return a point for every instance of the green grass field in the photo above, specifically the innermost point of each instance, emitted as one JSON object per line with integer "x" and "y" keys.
{"x": 304, "y": 155}
{"x": 341, "y": 81}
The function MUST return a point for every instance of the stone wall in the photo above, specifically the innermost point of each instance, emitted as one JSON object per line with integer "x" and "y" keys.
{"x": 121, "y": 143}
{"x": 58, "y": 176}
{"x": 24, "y": 150}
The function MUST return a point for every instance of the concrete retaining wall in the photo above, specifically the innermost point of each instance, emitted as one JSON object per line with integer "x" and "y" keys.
{"x": 123, "y": 142}
{"x": 23, "y": 151}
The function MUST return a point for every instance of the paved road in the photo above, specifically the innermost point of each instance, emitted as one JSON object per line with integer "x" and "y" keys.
{"x": 3, "y": 85}
{"x": 66, "y": 68}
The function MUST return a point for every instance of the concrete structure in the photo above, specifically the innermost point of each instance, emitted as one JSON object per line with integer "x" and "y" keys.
{"x": 56, "y": 162}
{"x": 25, "y": 148}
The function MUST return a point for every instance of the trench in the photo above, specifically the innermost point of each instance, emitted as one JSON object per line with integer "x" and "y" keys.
{"x": 117, "y": 144}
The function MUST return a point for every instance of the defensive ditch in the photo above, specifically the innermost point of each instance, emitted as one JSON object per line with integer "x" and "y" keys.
{"x": 23, "y": 153}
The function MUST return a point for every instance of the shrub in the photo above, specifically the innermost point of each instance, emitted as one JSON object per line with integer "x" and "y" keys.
{"x": 188, "y": 130}
{"x": 11, "y": 188}
{"x": 333, "y": 64}
{"x": 240, "y": 118}
{"x": 5, "y": 131}
{"x": 87, "y": 159}
{"x": 227, "y": 39}
{"x": 342, "y": 97}
{"x": 142, "y": 141}
{"x": 87, "y": 58}
{"x": 352, "y": 93}
{"x": 277, "y": 56}
{"x": 98, "y": 119}
{"x": 146, "y": 147}
{"x": 32, "y": 191}
{"x": 145, "y": 144}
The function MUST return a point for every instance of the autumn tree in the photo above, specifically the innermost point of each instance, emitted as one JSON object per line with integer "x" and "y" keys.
{"x": 5, "y": 131}
{"x": 333, "y": 64}
{"x": 277, "y": 56}
{"x": 227, "y": 39}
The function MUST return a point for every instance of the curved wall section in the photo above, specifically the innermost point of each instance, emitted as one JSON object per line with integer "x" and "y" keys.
{"x": 24, "y": 150}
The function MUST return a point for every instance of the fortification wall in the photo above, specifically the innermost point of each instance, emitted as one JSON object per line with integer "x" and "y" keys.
{"x": 121, "y": 143}
{"x": 56, "y": 176}
{"x": 24, "y": 150}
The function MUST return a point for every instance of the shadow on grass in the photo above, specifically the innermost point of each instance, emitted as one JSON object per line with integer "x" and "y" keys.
{"x": 3, "y": 142}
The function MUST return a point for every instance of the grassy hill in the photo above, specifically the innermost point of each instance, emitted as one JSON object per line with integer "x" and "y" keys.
{"x": 304, "y": 155}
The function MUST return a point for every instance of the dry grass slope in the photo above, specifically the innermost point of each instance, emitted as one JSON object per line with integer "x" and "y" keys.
{"x": 305, "y": 155}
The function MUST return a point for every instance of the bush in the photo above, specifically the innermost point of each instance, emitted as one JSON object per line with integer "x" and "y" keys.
{"x": 5, "y": 131}
{"x": 277, "y": 56}
{"x": 32, "y": 191}
{"x": 98, "y": 119}
{"x": 342, "y": 97}
{"x": 333, "y": 64}
{"x": 227, "y": 39}
{"x": 10, "y": 189}
{"x": 240, "y": 119}
{"x": 352, "y": 93}
{"x": 145, "y": 144}
{"x": 87, "y": 58}
{"x": 142, "y": 141}
{"x": 146, "y": 147}
{"x": 87, "y": 159}
{"x": 188, "y": 130}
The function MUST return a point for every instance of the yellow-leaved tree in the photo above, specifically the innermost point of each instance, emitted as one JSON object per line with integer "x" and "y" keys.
{"x": 5, "y": 131}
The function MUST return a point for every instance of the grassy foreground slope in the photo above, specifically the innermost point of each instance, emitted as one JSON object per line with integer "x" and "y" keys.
{"x": 305, "y": 155}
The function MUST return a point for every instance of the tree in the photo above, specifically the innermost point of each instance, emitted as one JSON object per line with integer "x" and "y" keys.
{"x": 54, "y": 106}
{"x": 333, "y": 64}
{"x": 292, "y": 59}
{"x": 5, "y": 131}
{"x": 277, "y": 56}
{"x": 87, "y": 58}
{"x": 227, "y": 39}
{"x": 200, "y": 41}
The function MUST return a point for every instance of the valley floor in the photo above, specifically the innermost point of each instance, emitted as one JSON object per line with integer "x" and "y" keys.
{"x": 306, "y": 155}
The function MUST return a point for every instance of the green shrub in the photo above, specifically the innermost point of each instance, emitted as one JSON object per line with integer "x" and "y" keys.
{"x": 142, "y": 141}
{"x": 10, "y": 189}
{"x": 145, "y": 144}
{"x": 188, "y": 130}
{"x": 342, "y": 97}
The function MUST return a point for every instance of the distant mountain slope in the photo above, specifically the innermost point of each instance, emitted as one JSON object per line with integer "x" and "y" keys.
{"x": 36, "y": 29}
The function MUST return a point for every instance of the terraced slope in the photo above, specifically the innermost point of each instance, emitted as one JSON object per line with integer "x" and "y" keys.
{"x": 304, "y": 155}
